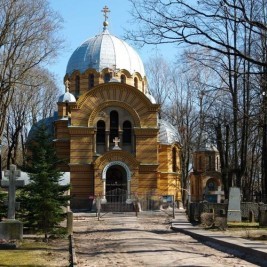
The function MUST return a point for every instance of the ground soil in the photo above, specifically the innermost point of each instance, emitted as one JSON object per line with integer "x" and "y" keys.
{"x": 34, "y": 252}
{"x": 121, "y": 240}
{"x": 143, "y": 241}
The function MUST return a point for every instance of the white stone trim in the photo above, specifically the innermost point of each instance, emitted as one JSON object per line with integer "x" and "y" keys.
{"x": 120, "y": 163}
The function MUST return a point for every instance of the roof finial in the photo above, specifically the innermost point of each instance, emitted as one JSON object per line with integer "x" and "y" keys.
{"x": 105, "y": 10}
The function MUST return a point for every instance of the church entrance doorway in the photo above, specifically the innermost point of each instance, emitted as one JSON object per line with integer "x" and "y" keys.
{"x": 116, "y": 183}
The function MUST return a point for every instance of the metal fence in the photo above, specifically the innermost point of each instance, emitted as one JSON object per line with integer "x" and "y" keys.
{"x": 118, "y": 200}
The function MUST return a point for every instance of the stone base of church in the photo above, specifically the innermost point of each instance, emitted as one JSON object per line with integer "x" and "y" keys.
{"x": 81, "y": 204}
{"x": 11, "y": 230}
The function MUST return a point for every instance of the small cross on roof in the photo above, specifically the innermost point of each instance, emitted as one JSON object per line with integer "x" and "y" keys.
{"x": 105, "y": 10}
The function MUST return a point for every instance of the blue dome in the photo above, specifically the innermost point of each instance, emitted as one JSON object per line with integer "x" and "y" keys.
{"x": 105, "y": 51}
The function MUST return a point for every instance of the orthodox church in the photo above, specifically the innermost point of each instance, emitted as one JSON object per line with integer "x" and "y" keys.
{"x": 108, "y": 128}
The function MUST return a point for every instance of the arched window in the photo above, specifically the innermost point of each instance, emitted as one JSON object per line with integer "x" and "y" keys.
{"x": 127, "y": 132}
{"x": 136, "y": 82}
{"x": 107, "y": 77}
{"x": 210, "y": 162}
{"x": 174, "y": 163}
{"x": 77, "y": 85}
{"x": 123, "y": 78}
{"x": 114, "y": 125}
{"x": 100, "y": 134}
{"x": 91, "y": 81}
{"x": 211, "y": 185}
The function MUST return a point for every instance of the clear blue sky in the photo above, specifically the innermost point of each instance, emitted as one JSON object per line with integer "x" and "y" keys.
{"x": 83, "y": 19}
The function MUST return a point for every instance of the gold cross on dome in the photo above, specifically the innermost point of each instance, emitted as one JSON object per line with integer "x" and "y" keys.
{"x": 105, "y": 10}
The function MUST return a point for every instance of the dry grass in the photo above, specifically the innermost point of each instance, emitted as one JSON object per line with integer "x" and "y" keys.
{"x": 248, "y": 230}
{"x": 34, "y": 252}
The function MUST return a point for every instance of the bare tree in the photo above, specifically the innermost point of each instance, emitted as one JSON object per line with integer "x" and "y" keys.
{"x": 30, "y": 103}
{"x": 173, "y": 89}
{"x": 28, "y": 38}
{"x": 233, "y": 31}
{"x": 197, "y": 23}
{"x": 184, "y": 116}
{"x": 159, "y": 79}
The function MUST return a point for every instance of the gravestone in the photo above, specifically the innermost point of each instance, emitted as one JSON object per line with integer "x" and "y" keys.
{"x": 11, "y": 229}
{"x": 219, "y": 194}
{"x": 251, "y": 216}
{"x": 263, "y": 217}
{"x": 234, "y": 205}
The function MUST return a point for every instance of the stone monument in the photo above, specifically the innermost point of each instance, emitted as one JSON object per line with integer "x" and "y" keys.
{"x": 234, "y": 205}
{"x": 219, "y": 194}
{"x": 11, "y": 229}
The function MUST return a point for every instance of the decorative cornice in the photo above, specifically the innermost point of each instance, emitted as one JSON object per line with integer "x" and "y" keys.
{"x": 76, "y": 130}
{"x": 62, "y": 140}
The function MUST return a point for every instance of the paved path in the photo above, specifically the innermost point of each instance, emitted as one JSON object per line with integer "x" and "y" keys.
{"x": 253, "y": 251}
{"x": 118, "y": 240}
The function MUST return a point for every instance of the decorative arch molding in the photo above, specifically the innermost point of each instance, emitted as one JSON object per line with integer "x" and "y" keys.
{"x": 91, "y": 71}
{"x": 207, "y": 179}
{"x": 75, "y": 73}
{"x": 99, "y": 90}
{"x": 138, "y": 75}
{"x": 126, "y": 72}
{"x": 111, "y": 156}
{"x": 114, "y": 163}
{"x": 122, "y": 105}
{"x": 176, "y": 145}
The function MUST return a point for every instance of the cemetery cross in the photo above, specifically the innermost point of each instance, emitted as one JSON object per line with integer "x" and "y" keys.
{"x": 12, "y": 174}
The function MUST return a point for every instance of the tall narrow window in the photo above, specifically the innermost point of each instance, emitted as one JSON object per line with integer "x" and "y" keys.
{"x": 217, "y": 163}
{"x": 100, "y": 134}
{"x": 200, "y": 163}
{"x": 136, "y": 82}
{"x": 91, "y": 81}
{"x": 210, "y": 163}
{"x": 114, "y": 125}
{"x": 174, "y": 163}
{"x": 77, "y": 85}
{"x": 123, "y": 78}
{"x": 127, "y": 132}
{"x": 107, "y": 77}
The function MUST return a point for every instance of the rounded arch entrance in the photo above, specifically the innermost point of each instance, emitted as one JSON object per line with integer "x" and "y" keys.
{"x": 116, "y": 176}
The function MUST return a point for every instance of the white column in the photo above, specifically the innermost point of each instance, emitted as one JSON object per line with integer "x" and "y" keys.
{"x": 95, "y": 143}
{"x": 103, "y": 199}
{"x": 128, "y": 192}
{"x": 107, "y": 140}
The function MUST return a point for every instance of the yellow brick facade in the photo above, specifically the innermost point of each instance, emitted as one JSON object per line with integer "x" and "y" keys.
{"x": 108, "y": 130}
{"x": 149, "y": 163}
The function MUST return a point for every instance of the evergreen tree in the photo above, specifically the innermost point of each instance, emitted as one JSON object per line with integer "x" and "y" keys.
{"x": 43, "y": 198}
{"x": 3, "y": 207}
